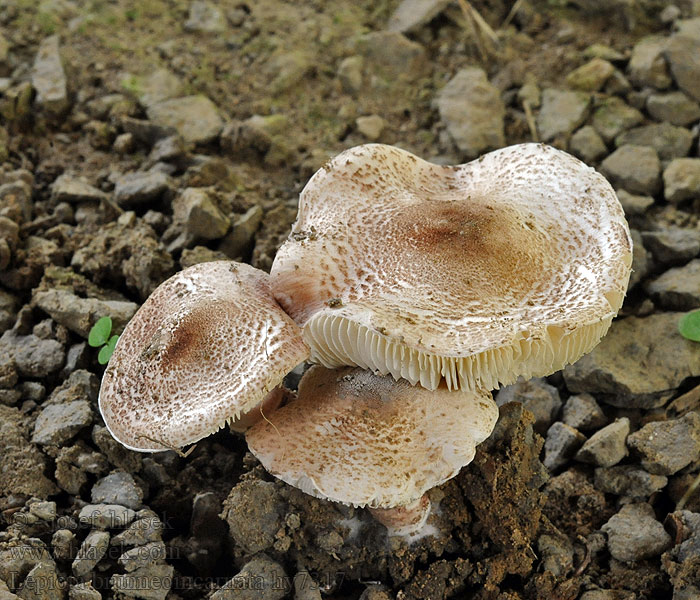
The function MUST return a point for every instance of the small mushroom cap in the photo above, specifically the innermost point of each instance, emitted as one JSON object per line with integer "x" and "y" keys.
{"x": 367, "y": 440}
{"x": 206, "y": 346}
{"x": 513, "y": 264}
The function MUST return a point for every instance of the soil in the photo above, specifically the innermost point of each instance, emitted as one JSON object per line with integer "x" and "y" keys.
{"x": 507, "y": 527}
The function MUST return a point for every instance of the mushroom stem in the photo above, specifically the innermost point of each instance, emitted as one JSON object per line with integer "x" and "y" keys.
{"x": 404, "y": 520}
{"x": 269, "y": 404}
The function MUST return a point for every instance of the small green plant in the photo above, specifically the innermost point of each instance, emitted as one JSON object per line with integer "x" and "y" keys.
{"x": 100, "y": 336}
{"x": 689, "y": 326}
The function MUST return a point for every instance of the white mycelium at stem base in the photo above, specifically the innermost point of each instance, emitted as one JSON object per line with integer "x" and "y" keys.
{"x": 473, "y": 275}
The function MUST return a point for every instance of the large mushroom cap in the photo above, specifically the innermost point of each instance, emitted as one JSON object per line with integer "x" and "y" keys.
{"x": 206, "y": 346}
{"x": 366, "y": 440}
{"x": 513, "y": 264}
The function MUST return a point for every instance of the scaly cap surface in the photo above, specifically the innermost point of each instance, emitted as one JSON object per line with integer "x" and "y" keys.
{"x": 367, "y": 440}
{"x": 205, "y": 347}
{"x": 513, "y": 264}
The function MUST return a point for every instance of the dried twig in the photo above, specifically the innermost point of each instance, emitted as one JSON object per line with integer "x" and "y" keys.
{"x": 511, "y": 14}
{"x": 688, "y": 493}
{"x": 532, "y": 125}
{"x": 179, "y": 452}
{"x": 586, "y": 558}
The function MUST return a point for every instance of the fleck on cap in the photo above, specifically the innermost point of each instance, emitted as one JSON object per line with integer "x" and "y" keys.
{"x": 206, "y": 346}
{"x": 367, "y": 440}
{"x": 513, "y": 264}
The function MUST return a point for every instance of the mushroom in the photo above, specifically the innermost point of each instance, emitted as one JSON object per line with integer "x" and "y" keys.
{"x": 366, "y": 440}
{"x": 208, "y": 346}
{"x": 511, "y": 265}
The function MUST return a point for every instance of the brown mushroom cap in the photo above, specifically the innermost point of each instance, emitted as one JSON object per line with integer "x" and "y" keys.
{"x": 206, "y": 346}
{"x": 367, "y": 440}
{"x": 513, "y": 264}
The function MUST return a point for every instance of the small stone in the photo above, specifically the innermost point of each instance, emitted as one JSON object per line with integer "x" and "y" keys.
{"x": 590, "y": 77}
{"x": 628, "y": 480}
{"x": 613, "y": 117}
{"x": 587, "y": 145}
{"x": 117, "y": 488}
{"x": 91, "y": 552}
{"x": 683, "y": 55}
{"x": 41, "y": 583}
{"x": 619, "y": 371}
{"x": 239, "y": 241}
{"x": 669, "y": 14}
{"x": 170, "y": 149}
{"x": 608, "y": 595}
{"x": 673, "y": 107}
{"x": 604, "y": 52}
{"x": 641, "y": 259}
{"x": 561, "y": 444}
{"x": 634, "y": 168}
{"x": 305, "y": 588}
{"x": 412, "y": 14}
{"x": 140, "y": 187}
{"x": 582, "y": 412}
{"x": 254, "y": 511}
{"x": 142, "y": 556}
{"x": 69, "y": 188}
{"x": 33, "y": 356}
{"x": 665, "y": 447}
{"x": 647, "y": 66}
{"x": 371, "y": 126}
{"x": 199, "y": 215}
{"x": 157, "y": 86}
{"x": 49, "y": 78}
{"x": 195, "y": 118}
{"x": 63, "y": 544}
{"x": 83, "y": 591}
{"x": 152, "y": 582}
{"x": 672, "y": 246}
{"x": 46, "y": 511}
{"x": 260, "y": 579}
{"x": 540, "y": 398}
{"x": 682, "y": 180}
{"x": 205, "y": 17}
{"x": 634, "y": 533}
{"x": 669, "y": 142}
{"x": 632, "y": 204}
{"x": 350, "y": 74}
{"x": 677, "y": 288}
{"x": 618, "y": 85}
{"x": 58, "y": 423}
{"x": 106, "y": 516}
{"x": 562, "y": 112}
{"x": 557, "y": 554}
{"x": 473, "y": 112}
{"x": 145, "y": 529}
{"x": 123, "y": 143}
{"x": 607, "y": 446}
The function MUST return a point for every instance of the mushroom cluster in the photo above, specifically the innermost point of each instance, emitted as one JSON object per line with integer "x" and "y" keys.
{"x": 416, "y": 288}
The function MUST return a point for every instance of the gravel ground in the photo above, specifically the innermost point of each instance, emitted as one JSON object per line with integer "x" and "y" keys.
{"x": 140, "y": 138}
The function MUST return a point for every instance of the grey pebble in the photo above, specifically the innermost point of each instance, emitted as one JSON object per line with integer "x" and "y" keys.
{"x": 634, "y": 533}
{"x": 672, "y": 246}
{"x": 583, "y": 412}
{"x": 606, "y": 447}
{"x": 665, "y": 447}
{"x": 677, "y": 288}
{"x": 259, "y": 579}
{"x": 140, "y": 187}
{"x": 540, "y": 398}
{"x": 473, "y": 112}
{"x": 561, "y": 444}
{"x": 93, "y": 548}
{"x": 58, "y": 423}
{"x": 152, "y": 582}
{"x": 562, "y": 111}
{"x": 628, "y": 480}
{"x": 682, "y": 180}
{"x": 635, "y": 168}
{"x": 117, "y": 488}
{"x": 669, "y": 141}
{"x": 106, "y": 516}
